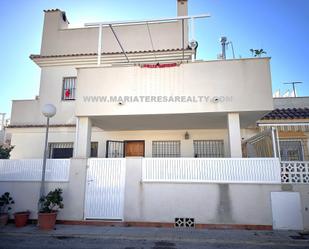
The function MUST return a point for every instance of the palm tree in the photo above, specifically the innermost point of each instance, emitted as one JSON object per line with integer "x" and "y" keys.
{"x": 257, "y": 52}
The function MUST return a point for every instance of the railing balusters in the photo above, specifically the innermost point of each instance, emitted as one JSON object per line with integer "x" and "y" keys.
{"x": 225, "y": 170}
{"x": 57, "y": 170}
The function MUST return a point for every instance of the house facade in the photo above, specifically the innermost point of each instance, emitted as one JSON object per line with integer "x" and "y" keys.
{"x": 145, "y": 133}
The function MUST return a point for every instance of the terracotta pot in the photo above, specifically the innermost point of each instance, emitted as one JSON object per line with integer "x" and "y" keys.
{"x": 21, "y": 219}
{"x": 4, "y": 217}
{"x": 47, "y": 221}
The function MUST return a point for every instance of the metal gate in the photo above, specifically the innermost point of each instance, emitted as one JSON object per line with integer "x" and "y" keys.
{"x": 105, "y": 184}
{"x": 114, "y": 149}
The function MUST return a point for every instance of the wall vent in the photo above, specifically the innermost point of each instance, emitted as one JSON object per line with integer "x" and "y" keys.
{"x": 184, "y": 222}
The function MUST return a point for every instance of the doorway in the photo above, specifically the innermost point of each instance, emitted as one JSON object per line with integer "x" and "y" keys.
{"x": 134, "y": 148}
{"x": 125, "y": 148}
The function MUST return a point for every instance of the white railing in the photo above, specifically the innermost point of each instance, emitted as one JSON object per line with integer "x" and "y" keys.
{"x": 57, "y": 170}
{"x": 295, "y": 172}
{"x": 219, "y": 170}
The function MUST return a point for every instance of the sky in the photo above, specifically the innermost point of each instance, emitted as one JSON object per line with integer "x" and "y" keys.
{"x": 280, "y": 27}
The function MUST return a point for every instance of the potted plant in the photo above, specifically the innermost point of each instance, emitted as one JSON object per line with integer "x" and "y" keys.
{"x": 21, "y": 218}
{"x": 5, "y": 202}
{"x": 49, "y": 206}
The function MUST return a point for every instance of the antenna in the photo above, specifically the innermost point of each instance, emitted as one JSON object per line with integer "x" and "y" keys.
{"x": 223, "y": 41}
{"x": 293, "y": 83}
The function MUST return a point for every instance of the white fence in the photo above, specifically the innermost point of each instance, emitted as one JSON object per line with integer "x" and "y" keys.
{"x": 221, "y": 170}
{"x": 57, "y": 170}
{"x": 295, "y": 172}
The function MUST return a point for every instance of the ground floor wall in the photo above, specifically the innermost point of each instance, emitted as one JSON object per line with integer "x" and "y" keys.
{"x": 207, "y": 203}
{"x": 29, "y": 142}
{"x": 26, "y": 193}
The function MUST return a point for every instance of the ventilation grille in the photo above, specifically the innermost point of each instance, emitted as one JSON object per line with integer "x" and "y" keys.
{"x": 184, "y": 222}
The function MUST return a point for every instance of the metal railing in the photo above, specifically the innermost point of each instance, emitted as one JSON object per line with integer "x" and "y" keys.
{"x": 218, "y": 170}
{"x": 57, "y": 170}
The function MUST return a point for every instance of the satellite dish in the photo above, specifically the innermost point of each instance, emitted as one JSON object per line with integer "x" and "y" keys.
{"x": 193, "y": 44}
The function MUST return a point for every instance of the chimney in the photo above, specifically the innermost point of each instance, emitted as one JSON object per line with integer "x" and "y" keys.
{"x": 182, "y": 7}
{"x": 54, "y": 20}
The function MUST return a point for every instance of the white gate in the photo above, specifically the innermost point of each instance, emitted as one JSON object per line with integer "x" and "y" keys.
{"x": 105, "y": 188}
{"x": 286, "y": 210}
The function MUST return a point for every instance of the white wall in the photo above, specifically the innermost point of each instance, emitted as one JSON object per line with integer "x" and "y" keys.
{"x": 29, "y": 112}
{"x": 208, "y": 203}
{"x": 247, "y": 81}
{"x": 26, "y": 194}
{"x": 29, "y": 142}
{"x": 58, "y": 39}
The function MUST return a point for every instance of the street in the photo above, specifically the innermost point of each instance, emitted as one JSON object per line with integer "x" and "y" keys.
{"x": 95, "y": 237}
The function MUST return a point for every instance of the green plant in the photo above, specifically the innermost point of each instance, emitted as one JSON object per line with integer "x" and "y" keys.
{"x": 5, "y": 151}
{"x": 52, "y": 202}
{"x": 257, "y": 52}
{"x": 5, "y": 202}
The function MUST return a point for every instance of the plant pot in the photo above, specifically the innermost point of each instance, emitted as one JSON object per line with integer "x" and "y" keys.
{"x": 21, "y": 219}
{"x": 4, "y": 217}
{"x": 47, "y": 221}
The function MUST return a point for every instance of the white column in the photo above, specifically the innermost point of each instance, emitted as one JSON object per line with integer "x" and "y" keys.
{"x": 82, "y": 143}
{"x": 234, "y": 134}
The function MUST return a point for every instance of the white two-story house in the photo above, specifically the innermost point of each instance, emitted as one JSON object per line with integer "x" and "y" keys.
{"x": 149, "y": 99}
{"x": 133, "y": 94}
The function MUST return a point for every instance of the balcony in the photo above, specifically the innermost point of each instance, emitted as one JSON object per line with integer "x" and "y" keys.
{"x": 242, "y": 86}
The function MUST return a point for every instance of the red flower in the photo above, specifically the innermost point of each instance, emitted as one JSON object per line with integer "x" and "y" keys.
{"x": 67, "y": 93}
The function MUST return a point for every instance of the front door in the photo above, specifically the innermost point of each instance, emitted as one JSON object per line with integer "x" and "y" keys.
{"x": 134, "y": 148}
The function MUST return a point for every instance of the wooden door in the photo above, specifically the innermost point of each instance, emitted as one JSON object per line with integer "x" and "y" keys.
{"x": 134, "y": 148}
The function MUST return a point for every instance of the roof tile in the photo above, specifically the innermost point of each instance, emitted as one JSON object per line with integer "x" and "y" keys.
{"x": 288, "y": 113}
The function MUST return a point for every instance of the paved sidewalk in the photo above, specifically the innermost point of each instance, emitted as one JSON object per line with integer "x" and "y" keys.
{"x": 168, "y": 234}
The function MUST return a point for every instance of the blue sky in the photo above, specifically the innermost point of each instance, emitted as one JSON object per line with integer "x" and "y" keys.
{"x": 280, "y": 27}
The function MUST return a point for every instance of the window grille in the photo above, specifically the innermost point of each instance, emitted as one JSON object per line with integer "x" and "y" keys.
{"x": 65, "y": 150}
{"x": 291, "y": 150}
{"x": 68, "y": 90}
{"x": 208, "y": 148}
{"x": 60, "y": 150}
{"x": 114, "y": 149}
{"x": 165, "y": 148}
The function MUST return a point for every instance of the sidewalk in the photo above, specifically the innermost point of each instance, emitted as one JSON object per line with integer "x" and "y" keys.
{"x": 168, "y": 234}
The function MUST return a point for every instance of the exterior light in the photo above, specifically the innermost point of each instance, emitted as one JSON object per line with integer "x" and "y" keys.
{"x": 187, "y": 136}
{"x": 48, "y": 111}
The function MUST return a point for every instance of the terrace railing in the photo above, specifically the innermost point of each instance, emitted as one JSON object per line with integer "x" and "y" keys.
{"x": 216, "y": 170}
{"x": 57, "y": 170}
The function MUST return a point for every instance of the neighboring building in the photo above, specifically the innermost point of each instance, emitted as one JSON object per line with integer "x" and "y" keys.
{"x": 291, "y": 118}
{"x": 167, "y": 130}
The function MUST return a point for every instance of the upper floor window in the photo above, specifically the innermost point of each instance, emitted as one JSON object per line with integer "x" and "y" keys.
{"x": 208, "y": 148}
{"x": 291, "y": 150}
{"x": 165, "y": 148}
{"x": 68, "y": 89}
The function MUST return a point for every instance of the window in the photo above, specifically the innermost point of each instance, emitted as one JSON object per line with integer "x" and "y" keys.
{"x": 291, "y": 150}
{"x": 94, "y": 149}
{"x": 65, "y": 150}
{"x": 68, "y": 89}
{"x": 60, "y": 150}
{"x": 208, "y": 148}
{"x": 114, "y": 148}
{"x": 165, "y": 148}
